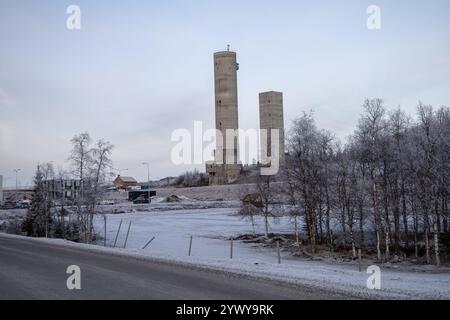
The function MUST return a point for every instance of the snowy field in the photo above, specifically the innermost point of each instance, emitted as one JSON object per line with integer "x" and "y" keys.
{"x": 211, "y": 226}
{"x": 211, "y": 229}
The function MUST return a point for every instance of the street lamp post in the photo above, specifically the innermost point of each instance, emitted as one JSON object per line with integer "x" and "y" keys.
{"x": 17, "y": 187}
{"x": 148, "y": 181}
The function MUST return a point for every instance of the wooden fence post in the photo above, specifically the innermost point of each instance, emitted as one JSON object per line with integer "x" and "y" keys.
{"x": 231, "y": 249}
{"x": 278, "y": 250}
{"x": 359, "y": 260}
{"x": 104, "y": 220}
{"x": 190, "y": 247}
{"x": 148, "y": 243}
{"x": 117, "y": 234}
{"x": 126, "y": 238}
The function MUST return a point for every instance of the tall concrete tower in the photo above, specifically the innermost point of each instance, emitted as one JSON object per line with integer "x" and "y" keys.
{"x": 225, "y": 169}
{"x": 225, "y": 85}
{"x": 271, "y": 117}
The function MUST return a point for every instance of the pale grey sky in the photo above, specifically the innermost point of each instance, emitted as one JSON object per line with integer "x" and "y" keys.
{"x": 137, "y": 70}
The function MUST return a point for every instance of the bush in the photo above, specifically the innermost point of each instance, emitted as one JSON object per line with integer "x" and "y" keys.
{"x": 192, "y": 179}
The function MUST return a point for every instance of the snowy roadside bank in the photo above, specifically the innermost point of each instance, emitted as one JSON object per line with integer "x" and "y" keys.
{"x": 395, "y": 285}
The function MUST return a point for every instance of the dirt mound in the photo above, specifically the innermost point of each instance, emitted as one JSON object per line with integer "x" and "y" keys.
{"x": 173, "y": 198}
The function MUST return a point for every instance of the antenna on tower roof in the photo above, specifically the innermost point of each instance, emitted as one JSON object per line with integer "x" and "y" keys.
{"x": 228, "y": 47}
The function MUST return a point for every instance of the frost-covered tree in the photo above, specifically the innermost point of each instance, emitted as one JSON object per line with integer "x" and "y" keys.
{"x": 390, "y": 177}
{"x": 90, "y": 166}
{"x": 100, "y": 156}
{"x": 38, "y": 219}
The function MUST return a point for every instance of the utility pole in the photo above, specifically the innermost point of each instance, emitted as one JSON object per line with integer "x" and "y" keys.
{"x": 17, "y": 187}
{"x": 148, "y": 182}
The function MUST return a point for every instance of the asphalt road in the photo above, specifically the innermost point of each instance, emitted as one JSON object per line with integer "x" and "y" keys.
{"x": 35, "y": 270}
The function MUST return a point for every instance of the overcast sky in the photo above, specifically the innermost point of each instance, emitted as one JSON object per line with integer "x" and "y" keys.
{"x": 137, "y": 70}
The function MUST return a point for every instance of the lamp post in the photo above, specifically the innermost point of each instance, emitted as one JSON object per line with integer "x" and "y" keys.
{"x": 148, "y": 181}
{"x": 16, "y": 171}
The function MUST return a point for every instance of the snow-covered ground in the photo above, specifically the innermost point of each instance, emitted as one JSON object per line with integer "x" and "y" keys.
{"x": 172, "y": 226}
{"x": 211, "y": 229}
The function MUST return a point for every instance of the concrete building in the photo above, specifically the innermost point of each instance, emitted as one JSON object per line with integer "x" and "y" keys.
{"x": 225, "y": 168}
{"x": 271, "y": 117}
{"x": 65, "y": 189}
{"x": 14, "y": 195}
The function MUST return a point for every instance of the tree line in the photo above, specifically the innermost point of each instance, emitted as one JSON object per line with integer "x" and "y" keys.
{"x": 385, "y": 190}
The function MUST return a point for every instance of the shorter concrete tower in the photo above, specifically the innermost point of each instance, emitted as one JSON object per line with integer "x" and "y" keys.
{"x": 271, "y": 117}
